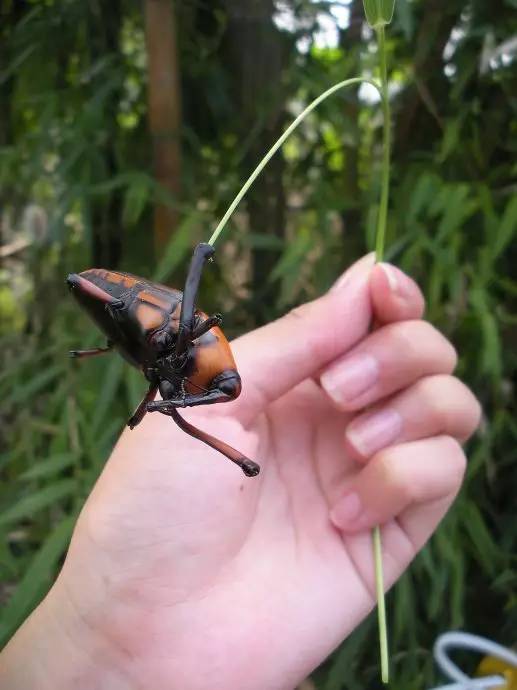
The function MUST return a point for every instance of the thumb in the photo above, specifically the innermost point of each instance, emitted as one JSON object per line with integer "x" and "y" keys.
{"x": 395, "y": 296}
{"x": 278, "y": 356}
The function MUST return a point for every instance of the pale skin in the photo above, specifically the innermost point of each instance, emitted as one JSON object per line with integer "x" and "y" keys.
{"x": 183, "y": 573}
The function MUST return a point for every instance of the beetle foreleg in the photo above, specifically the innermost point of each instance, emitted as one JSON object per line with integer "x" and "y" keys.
{"x": 141, "y": 410}
{"x": 77, "y": 354}
{"x": 190, "y": 400}
{"x": 250, "y": 468}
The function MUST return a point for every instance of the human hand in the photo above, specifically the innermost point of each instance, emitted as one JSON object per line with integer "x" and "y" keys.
{"x": 184, "y": 574}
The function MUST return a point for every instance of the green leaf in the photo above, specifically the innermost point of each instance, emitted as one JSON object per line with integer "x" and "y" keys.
{"x": 487, "y": 550}
{"x": 457, "y": 209}
{"x": 136, "y": 198}
{"x": 107, "y": 393}
{"x": 49, "y": 467}
{"x": 378, "y": 12}
{"x": 288, "y": 267}
{"x": 135, "y": 386}
{"x": 16, "y": 64}
{"x": 421, "y": 195}
{"x": 405, "y": 18}
{"x": 450, "y": 139}
{"x": 36, "y": 384}
{"x": 264, "y": 241}
{"x": 507, "y": 228}
{"x": 27, "y": 506}
{"x": 179, "y": 246}
{"x": 36, "y": 579}
{"x": 342, "y": 668}
{"x": 490, "y": 351}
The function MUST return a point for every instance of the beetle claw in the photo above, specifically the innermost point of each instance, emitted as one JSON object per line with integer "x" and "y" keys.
{"x": 250, "y": 468}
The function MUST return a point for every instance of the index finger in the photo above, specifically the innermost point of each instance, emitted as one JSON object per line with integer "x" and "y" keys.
{"x": 275, "y": 358}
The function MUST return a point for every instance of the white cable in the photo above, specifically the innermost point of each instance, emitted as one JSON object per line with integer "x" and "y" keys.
{"x": 474, "y": 684}
{"x": 466, "y": 641}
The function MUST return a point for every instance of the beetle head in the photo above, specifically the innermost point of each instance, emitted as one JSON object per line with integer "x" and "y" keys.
{"x": 228, "y": 382}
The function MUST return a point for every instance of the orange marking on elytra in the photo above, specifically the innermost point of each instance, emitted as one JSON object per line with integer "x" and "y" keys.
{"x": 149, "y": 317}
{"x": 151, "y": 298}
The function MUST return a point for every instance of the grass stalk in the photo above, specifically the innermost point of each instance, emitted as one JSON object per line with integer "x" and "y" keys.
{"x": 386, "y": 147}
{"x": 251, "y": 179}
{"x": 379, "y": 254}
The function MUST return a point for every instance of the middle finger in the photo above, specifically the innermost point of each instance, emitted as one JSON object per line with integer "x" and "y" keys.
{"x": 435, "y": 405}
{"x": 388, "y": 360}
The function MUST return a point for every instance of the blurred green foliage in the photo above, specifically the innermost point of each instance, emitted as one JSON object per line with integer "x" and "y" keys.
{"x": 77, "y": 189}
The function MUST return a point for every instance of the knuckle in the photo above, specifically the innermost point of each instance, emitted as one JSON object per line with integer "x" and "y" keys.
{"x": 438, "y": 394}
{"x": 473, "y": 411}
{"x": 317, "y": 341}
{"x": 394, "y": 478}
{"x": 426, "y": 342}
{"x": 477, "y": 414}
{"x": 405, "y": 486}
{"x": 409, "y": 335}
{"x": 451, "y": 354}
{"x": 450, "y": 404}
{"x": 300, "y": 312}
{"x": 456, "y": 458}
{"x": 441, "y": 350}
{"x": 430, "y": 392}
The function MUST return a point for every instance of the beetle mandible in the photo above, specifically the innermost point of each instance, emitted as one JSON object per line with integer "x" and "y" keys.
{"x": 181, "y": 351}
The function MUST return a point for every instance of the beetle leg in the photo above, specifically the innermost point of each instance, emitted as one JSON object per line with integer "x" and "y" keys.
{"x": 202, "y": 252}
{"x": 250, "y": 468}
{"x": 77, "y": 354}
{"x": 189, "y": 400}
{"x": 140, "y": 411}
{"x": 215, "y": 320}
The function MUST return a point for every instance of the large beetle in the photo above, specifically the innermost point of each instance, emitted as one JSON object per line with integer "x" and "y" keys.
{"x": 181, "y": 351}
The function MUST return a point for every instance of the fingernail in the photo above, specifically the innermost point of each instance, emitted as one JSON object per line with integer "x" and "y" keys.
{"x": 390, "y": 275}
{"x": 357, "y": 270}
{"x": 399, "y": 283}
{"x": 345, "y": 380}
{"x": 374, "y": 431}
{"x": 347, "y": 510}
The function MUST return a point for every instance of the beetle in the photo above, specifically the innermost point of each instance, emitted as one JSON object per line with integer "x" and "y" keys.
{"x": 182, "y": 352}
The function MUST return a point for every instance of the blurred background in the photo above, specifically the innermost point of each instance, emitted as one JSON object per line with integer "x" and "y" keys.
{"x": 126, "y": 128}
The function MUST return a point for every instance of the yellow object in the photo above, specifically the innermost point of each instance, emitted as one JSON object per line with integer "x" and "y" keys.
{"x": 490, "y": 666}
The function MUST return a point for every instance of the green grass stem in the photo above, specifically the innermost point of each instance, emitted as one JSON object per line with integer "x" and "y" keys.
{"x": 379, "y": 254}
{"x": 381, "y": 604}
{"x": 386, "y": 147}
{"x": 251, "y": 179}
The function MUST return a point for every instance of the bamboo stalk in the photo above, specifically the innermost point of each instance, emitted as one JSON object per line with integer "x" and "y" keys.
{"x": 164, "y": 103}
